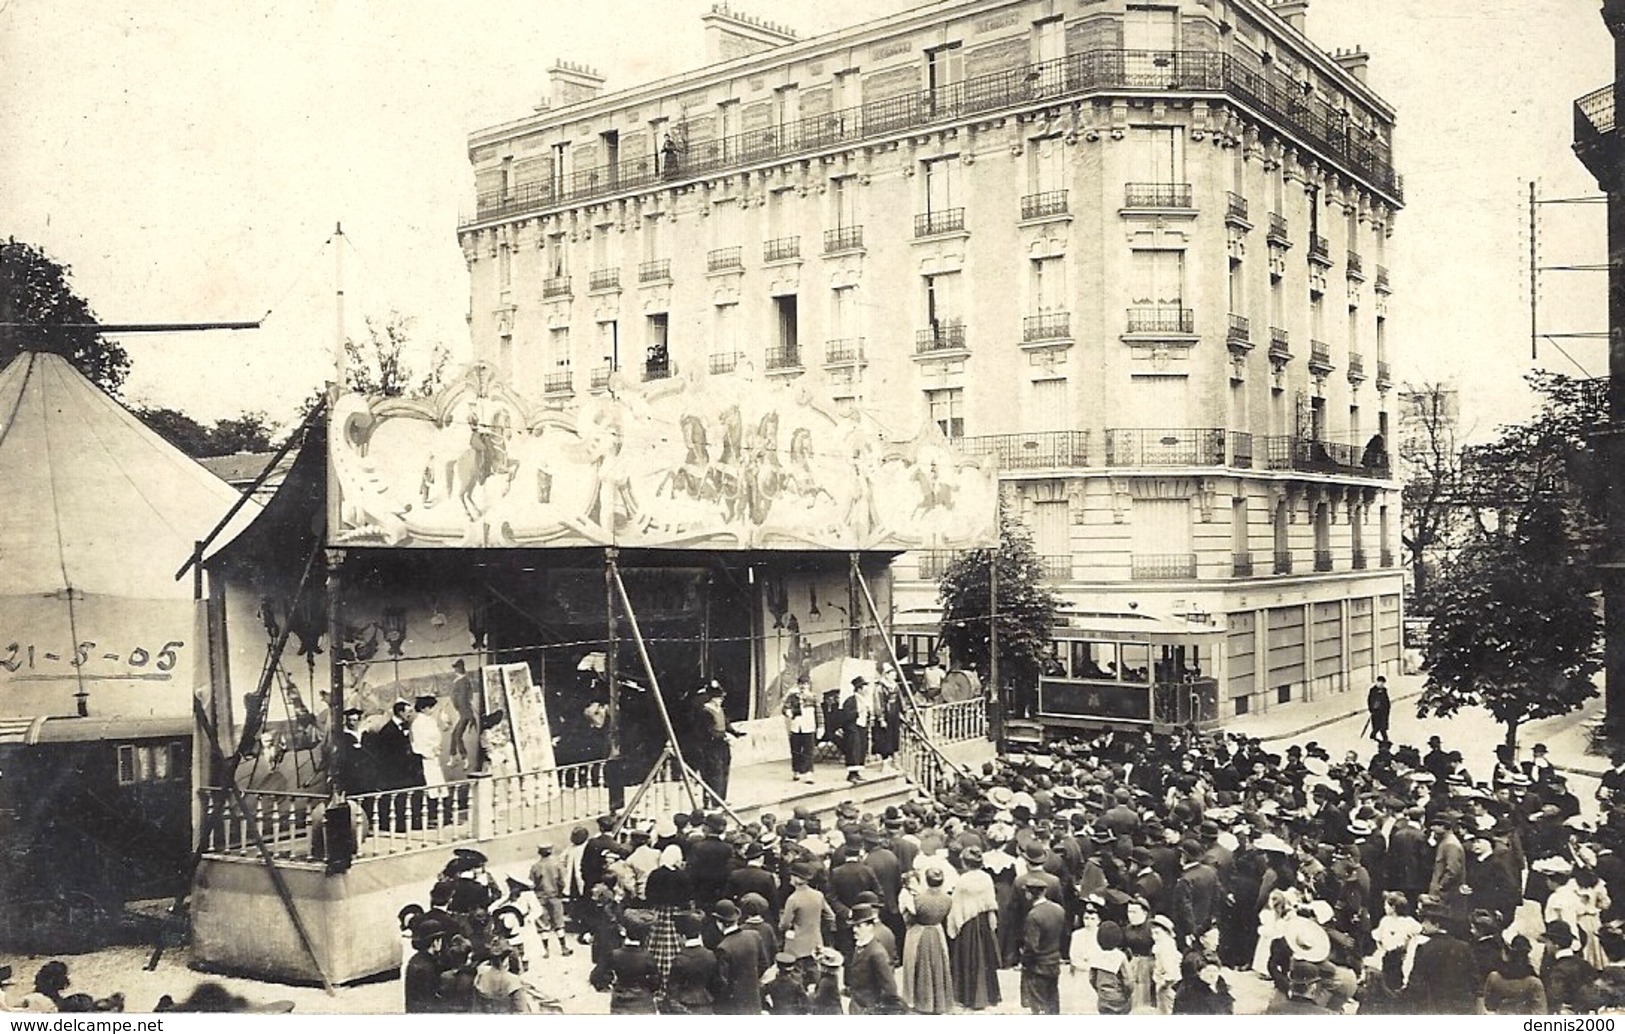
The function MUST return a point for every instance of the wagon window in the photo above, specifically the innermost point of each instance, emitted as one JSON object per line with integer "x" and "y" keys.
{"x": 177, "y": 761}
{"x": 126, "y": 765}
{"x": 160, "y": 762}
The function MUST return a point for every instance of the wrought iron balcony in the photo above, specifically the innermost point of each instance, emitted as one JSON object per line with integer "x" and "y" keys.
{"x": 600, "y": 377}
{"x": 1385, "y": 377}
{"x": 556, "y": 287}
{"x": 1055, "y": 568}
{"x": 1320, "y": 250}
{"x": 1386, "y": 558}
{"x": 1241, "y": 449}
{"x": 561, "y": 383}
{"x": 940, "y": 337}
{"x": 929, "y": 224}
{"x": 932, "y": 564}
{"x": 1165, "y": 447}
{"x": 720, "y": 260}
{"x": 1158, "y": 195}
{"x": 1043, "y": 205}
{"x": 1358, "y": 559}
{"x": 1356, "y": 368}
{"x": 1381, "y": 284}
{"x": 1241, "y": 565}
{"x": 845, "y": 238}
{"x": 1355, "y": 263}
{"x": 1323, "y": 560}
{"x": 1320, "y": 357}
{"x": 1162, "y": 567}
{"x": 1235, "y": 209}
{"x": 1283, "y": 561}
{"x": 1039, "y": 450}
{"x": 1594, "y": 131}
{"x": 1047, "y": 326}
{"x": 659, "y": 371}
{"x": 1277, "y": 233}
{"x": 784, "y": 357}
{"x": 846, "y": 351}
{"x": 1271, "y": 92}
{"x": 1240, "y": 332}
{"x": 604, "y": 279}
{"x": 651, "y": 272}
{"x": 1280, "y": 344}
{"x": 1161, "y": 319}
{"x": 725, "y": 362}
{"x": 781, "y": 248}
{"x": 1288, "y": 452}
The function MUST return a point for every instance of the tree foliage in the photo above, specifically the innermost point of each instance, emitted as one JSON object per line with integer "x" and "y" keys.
{"x": 1025, "y": 613}
{"x": 250, "y": 432}
{"x": 41, "y": 313}
{"x": 1431, "y": 465}
{"x": 1515, "y": 626}
{"x": 378, "y": 365}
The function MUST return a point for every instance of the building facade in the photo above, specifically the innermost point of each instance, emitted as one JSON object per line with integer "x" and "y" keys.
{"x": 1133, "y": 251}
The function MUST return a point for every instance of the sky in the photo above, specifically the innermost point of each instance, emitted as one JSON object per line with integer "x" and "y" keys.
{"x": 190, "y": 159}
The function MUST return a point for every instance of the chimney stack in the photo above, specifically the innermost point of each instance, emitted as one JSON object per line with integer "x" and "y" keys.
{"x": 1293, "y": 12}
{"x": 730, "y": 34}
{"x": 570, "y": 83}
{"x": 1354, "y": 62}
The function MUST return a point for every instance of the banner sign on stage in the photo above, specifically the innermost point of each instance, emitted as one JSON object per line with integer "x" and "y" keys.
{"x": 523, "y": 740}
{"x": 682, "y": 462}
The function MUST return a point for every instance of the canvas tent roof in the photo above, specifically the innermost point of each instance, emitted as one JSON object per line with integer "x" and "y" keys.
{"x": 95, "y": 500}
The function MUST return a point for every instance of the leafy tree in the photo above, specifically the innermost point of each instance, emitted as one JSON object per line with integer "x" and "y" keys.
{"x": 39, "y": 312}
{"x": 1515, "y": 627}
{"x": 377, "y": 366}
{"x": 1025, "y": 612}
{"x": 249, "y": 432}
{"x": 1430, "y": 461}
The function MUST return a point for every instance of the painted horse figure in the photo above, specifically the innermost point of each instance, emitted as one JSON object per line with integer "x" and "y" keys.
{"x": 486, "y": 455}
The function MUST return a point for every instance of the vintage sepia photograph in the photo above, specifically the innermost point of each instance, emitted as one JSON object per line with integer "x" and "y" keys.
{"x": 969, "y": 507}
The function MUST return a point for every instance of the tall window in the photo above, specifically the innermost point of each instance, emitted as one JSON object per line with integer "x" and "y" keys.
{"x": 843, "y": 192}
{"x": 609, "y": 345}
{"x": 1161, "y": 526}
{"x": 1382, "y": 339}
{"x": 786, "y": 107}
{"x": 1317, "y": 317}
{"x": 1278, "y": 526}
{"x": 505, "y": 270}
{"x": 1354, "y": 331}
{"x": 1236, "y": 286}
{"x": 1049, "y": 285}
{"x": 657, "y": 349}
{"x": 558, "y": 347}
{"x": 1045, "y": 168}
{"x": 652, "y": 239}
{"x": 507, "y": 177}
{"x": 561, "y": 168}
{"x": 1049, "y": 41}
{"x": 945, "y": 66}
{"x": 1159, "y": 154}
{"x": 1052, "y": 528}
{"x": 727, "y": 126}
{"x": 789, "y": 341}
{"x": 942, "y": 300}
{"x": 940, "y": 189}
{"x": 558, "y": 263}
{"x": 1151, "y": 28}
{"x": 1239, "y": 542}
{"x": 947, "y": 410}
{"x": 725, "y": 329}
{"x": 775, "y": 214}
{"x": 1159, "y": 277}
{"x": 505, "y": 357}
{"x": 843, "y": 316}
{"x": 1049, "y": 410}
{"x": 600, "y": 247}
{"x": 611, "y": 141}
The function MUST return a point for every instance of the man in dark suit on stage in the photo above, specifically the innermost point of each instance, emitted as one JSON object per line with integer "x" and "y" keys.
{"x": 394, "y": 764}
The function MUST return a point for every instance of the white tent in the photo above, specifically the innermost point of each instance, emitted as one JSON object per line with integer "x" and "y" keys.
{"x": 97, "y": 513}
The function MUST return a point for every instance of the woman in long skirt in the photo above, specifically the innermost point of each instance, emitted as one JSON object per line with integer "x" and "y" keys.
{"x": 1137, "y": 944}
{"x": 926, "y": 986}
{"x": 972, "y": 926}
{"x": 669, "y": 891}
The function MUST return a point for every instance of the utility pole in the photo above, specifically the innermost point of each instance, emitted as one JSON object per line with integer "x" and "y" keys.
{"x": 996, "y": 699}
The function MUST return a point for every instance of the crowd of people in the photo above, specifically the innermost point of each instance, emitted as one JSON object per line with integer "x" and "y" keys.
{"x": 53, "y": 991}
{"x": 1163, "y": 869}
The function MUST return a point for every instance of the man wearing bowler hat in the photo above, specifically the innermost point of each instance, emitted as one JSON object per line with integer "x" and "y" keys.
{"x": 739, "y": 964}
{"x": 870, "y": 981}
{"x": 803, "y": 918}
{"x": 1042, "y": 933}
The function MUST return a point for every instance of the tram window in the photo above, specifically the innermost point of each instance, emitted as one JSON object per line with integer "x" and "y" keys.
{"x": 178, "y": 768}
{"x": 1136, "y": 662}
{"x": 1094, "y": 660}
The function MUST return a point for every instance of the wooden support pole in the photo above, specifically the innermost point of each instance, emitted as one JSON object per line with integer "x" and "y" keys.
{"x": 654, "y": 683}
{"x": 611, "y": 652}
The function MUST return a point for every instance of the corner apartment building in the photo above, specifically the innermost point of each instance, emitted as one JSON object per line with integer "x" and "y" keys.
{"x": 1133, "y": 250}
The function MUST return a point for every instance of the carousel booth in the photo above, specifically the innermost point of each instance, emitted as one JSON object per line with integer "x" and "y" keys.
{"x": 547, "y": 591}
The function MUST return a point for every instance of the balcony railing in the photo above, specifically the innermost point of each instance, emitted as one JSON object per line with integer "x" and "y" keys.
{"x": 1386, "y": 558}
{"x": 1241, "y": 330}
{"x": 604, "y": 279}
{"x": 846, "y": 351}
{"x": 1158, "y": 195}
{"x": 659, "y": 371}
{"x": 1323, "y": 560}
{"x": 1272, "y": 93}
{"x": 1047, "y": 326}
{"x": 1048, "y": 203}
{"x": 1241, "y": 565}
{"x": 781, "y": 248}
{"x": 1320, "y": 249}
{"x": 932, "y": 564}
{"x": 1155, "y": 567}
{"x": 1055, "y": 568}
{"x": 1235, "y": 207}
{"x": 1356, "y": 367}
{"x": 1161, "y": 319}
{"x": 1593, "y": 124}
{"x": 928, "y": 224}
{"x": 649, "y": 272}
{"x": 1241, "y": 449}
{"x": 1165, "y": 447}
{"x": 1381, "y": 282}
{"x": 725, "y": 362}
{"x": 1277, "y": 233}
{"x": 1385, "y": 377}
{"x": 1286, "y": 452}
{"x": 600, "y": 377}
{"x": 845, "y": 238}
{"x": 1040, "y": 450}
{"x": 1283, "y": 561}
{"x": 556, "y": 287}
{"x": 940, "y": 337}
{"x": 1280, "y": 344}
{"x": 720, "y": 260}
{"x": 1355, "y": 263}
{"x": 1320, "y": 357}
{"x": 562, "y": 383}
{"x": 1358, "y": 559}
{"x": 784, "y": 357}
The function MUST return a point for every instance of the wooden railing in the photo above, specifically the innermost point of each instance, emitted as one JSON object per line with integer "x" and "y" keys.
{"x": 958, "y": 721}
